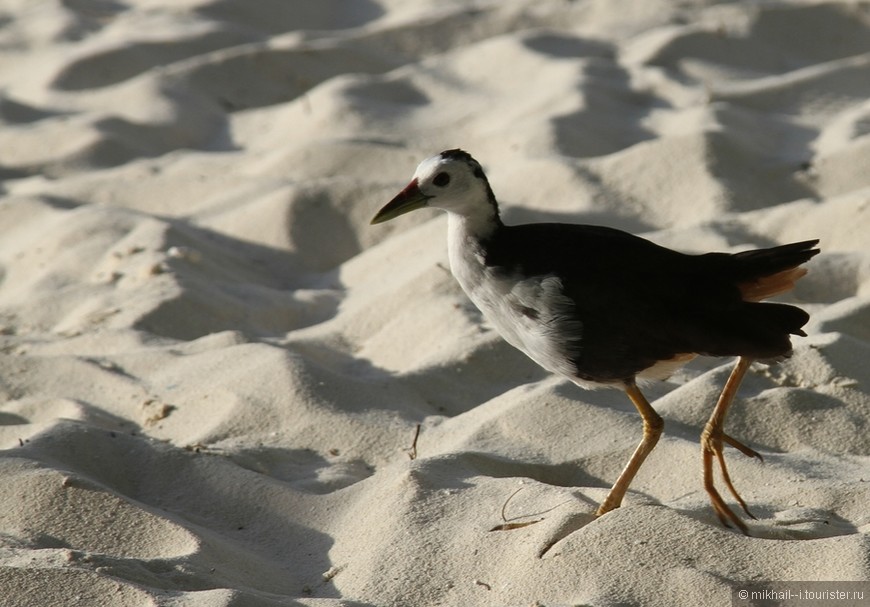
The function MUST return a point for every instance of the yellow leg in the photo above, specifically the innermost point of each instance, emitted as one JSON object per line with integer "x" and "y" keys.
{"x": 711, "y": 446}
{"x": 652, "y": 430}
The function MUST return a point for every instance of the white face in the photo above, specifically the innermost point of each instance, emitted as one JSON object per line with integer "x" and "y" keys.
{"x": 451, "y": 184}
{"x": 452, "y": 181}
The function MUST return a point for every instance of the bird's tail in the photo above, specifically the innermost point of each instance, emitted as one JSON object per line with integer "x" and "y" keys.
{"x": 764, "y": 273}
{"x": 779, "y": 319}
{"x": 766, "y": 328}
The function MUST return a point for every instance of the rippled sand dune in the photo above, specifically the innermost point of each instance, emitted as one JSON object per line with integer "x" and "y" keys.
{"x": 212, "y": 368}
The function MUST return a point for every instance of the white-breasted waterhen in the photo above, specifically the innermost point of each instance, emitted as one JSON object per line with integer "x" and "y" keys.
{"x": 603, "y": 307}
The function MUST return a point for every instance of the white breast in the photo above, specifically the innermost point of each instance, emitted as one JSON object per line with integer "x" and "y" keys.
{"x": 530, "y": 313}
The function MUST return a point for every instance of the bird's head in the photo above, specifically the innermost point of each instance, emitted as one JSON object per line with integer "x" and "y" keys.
{"x": 452, "y": 181}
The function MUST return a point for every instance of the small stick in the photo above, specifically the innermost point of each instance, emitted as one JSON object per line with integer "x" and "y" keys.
{"x": 412, "y": 450}
{"x": 508, "y": 526}
{"x": 507, "y": 523}
{"x": 506, "y": 502}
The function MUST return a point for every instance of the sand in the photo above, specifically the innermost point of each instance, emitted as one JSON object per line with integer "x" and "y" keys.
{"x": 212, "y": 368}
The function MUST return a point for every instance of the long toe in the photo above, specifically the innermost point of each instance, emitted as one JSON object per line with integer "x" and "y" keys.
{"x": 712, "y": 448}
{"x": 726, "y": 515}
{"x": 749, "y": 452}
{"x": 727, "y": 478}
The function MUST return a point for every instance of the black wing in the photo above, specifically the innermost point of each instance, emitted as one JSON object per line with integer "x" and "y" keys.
{"x": 639, "y": 303}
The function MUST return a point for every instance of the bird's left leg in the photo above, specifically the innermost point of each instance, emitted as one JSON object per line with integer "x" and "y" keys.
{"x": 652, "y": 430}
{"x": 711, "y": 445}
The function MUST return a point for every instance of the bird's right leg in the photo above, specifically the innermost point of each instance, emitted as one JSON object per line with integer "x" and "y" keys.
{"x": 652, "y": 430}
{"x": 711, "y": 446}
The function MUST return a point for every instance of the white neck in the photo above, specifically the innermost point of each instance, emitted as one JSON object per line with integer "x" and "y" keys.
{"x": 479, "y": 226}
{"x": 464, "y": 237}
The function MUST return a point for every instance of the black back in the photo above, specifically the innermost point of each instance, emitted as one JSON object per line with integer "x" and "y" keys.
{"x": 640, "y": 303}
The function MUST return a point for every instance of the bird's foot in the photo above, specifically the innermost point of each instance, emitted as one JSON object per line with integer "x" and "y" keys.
{"x": 711, "y": 446}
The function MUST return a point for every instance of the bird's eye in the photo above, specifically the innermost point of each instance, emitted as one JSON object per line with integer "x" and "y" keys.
{"x": 441, "y": 179}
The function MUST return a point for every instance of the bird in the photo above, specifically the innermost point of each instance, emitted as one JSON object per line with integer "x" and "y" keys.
{"x": 605, "y": 308}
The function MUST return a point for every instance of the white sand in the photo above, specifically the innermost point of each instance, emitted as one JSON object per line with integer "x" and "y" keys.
{"x": 212, "y": 366}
